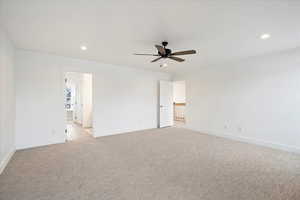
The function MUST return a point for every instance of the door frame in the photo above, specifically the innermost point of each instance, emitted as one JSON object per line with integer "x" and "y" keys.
{"x": 64, "y": 72}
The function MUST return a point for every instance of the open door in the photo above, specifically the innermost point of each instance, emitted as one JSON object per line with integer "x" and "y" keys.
{"x": 165, "y": 104}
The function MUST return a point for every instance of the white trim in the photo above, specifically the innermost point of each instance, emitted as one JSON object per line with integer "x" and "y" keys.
{"x": 120, "y": 132}
{"x": 6, "y": 160}
{"x": 283, "y": 147}
{"x": 40, "y": 145}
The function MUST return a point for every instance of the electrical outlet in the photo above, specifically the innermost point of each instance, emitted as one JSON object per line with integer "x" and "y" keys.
{"x": 226, "y": 125}
{"x": 240, "y": 129}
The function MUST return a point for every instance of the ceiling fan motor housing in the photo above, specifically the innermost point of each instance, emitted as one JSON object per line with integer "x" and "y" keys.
{"x": 168, "y": 52}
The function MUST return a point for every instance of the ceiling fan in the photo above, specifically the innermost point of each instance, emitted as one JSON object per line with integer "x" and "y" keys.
{"x": 163, "y": 52}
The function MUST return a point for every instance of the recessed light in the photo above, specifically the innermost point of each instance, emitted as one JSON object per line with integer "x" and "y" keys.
{"x": 265, "y": 36}
{"x": 83, "y": 48}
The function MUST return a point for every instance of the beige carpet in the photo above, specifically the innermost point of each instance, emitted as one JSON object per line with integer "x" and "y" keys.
{"x": 160, "y": 164}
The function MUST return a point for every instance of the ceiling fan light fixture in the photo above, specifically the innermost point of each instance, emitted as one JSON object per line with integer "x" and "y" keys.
{"x": 164, "y": 65}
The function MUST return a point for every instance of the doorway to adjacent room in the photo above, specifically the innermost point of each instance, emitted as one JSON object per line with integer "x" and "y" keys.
{"x": 179, "y": 102}
{"x": 78, "y": 105}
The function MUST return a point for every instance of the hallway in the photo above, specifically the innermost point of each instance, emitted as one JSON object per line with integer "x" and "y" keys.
{"x": 76, "y": 132}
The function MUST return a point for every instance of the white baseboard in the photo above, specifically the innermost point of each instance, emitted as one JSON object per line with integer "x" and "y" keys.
{"x": 283, "y": 147}
{"x": 6, "y": 160}
{"x": 39, "y": 145}
{"x": 124, "y": 131}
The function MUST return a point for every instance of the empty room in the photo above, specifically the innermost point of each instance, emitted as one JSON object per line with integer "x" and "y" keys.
{"x": 149, "y": 100}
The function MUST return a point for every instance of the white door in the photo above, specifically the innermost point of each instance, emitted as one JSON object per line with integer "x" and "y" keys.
{"x": 165, "y": 104}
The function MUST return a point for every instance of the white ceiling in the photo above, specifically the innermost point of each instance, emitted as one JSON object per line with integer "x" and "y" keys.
{"x": 112, "y": 30}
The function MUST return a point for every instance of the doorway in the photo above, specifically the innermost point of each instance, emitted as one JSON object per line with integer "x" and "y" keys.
{"x": 78, "y": 105}
{"x": 179, "y": 102}
{"x": 172, "y": 103}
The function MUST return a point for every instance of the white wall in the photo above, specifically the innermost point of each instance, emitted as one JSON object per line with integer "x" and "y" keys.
{"x": 179, "y": 91}
{"x": 255, "y": 100}
{"x": 7, "y": 100}
{"x": 39, "y": 101}
{"x": 124, "y": 99}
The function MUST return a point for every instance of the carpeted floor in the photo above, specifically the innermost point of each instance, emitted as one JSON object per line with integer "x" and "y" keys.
{"x": 160, "y": 164}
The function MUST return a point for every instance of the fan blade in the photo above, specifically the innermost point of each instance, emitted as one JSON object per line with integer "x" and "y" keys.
{"x": 183, "y": 53}
{"x": 145, "y": 54}
{"x": 156, "y": 59}
{"x": 161, "y": 49}
{"x": 176, "y": 58}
